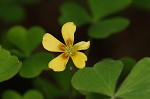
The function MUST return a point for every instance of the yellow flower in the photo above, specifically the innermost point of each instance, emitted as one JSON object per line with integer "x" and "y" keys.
{"x": 50, "y": 43}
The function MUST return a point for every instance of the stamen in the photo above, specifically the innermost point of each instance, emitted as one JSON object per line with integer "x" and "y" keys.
{"x": 69, "y": 50}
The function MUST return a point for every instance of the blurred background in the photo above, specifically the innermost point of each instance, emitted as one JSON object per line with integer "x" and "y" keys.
{"x": 131, "y": 42}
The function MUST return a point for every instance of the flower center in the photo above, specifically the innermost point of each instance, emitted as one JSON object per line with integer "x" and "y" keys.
{"x": 69, "y": 50}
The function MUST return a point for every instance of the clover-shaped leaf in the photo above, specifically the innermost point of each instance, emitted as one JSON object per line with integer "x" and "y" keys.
{"x": 105, "y": 28}
{"x": 75, "y": 13}
{"x": 102, "y": 8}
{"x": 9, "y": 65}
{"x": 137, "y": 84}
{"x": 11, "y": 94}
{"x": 35, "y": 64}
{"x": 101, "y": 78}
{"x": 33, "y": 93}
{"x": 25, "y": 40}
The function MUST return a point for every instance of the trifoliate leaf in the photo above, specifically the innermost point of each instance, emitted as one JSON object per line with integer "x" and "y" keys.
{"x": 102, "y": 8}
{"x": 101, "y": 78}
{"x": 11, "y": 94}
{"x": 33, "y": 94}
{"x": 105, "y": 28}
{"x": 73, "y": 12}
{"x": 35, "y": 64}
{"x": 137, "y": 84}
{"x": 9, "y": 65}
{"x": 25, "y": 40}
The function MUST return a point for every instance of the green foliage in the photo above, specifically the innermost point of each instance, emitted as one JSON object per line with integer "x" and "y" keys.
{"x": 9, "y": 65}
{"x": 25, "y": 40}
{"x": 11, "y": 94}
{"x": 50, "y": 90}
{"x": 100, "y": 8}
{"x": 102, "y": 78}
{"x": 105, "y": 28}
{"x": 96, "y": 96}
{"x": 11, "y": 12}
{"x": 63, "y": 79}
{"x": 137, "y": 84}
{"x": 35, "y": 64}
{"x": 33, "y": 93}
{"x": 77, "y": 14}
{"x": 145, "y": 4}
{"x": 129, "y": 63}
{"x": 103, "y": 8}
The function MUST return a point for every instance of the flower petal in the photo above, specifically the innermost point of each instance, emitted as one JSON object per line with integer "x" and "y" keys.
{"x": 79, "y": 59}
{"x": 82, "y": 45}
{"x": 59, "y": 63}
{"x": 50, "y": 43}
{"x": 68, "y": 31}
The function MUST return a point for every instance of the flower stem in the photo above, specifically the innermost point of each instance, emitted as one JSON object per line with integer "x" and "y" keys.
{"x": 71, "y": 90}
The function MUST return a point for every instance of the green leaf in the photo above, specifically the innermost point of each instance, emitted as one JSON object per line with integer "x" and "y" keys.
{"x": 11, "y": 12}
{"x": 9, "y": 65}
{"x": 35, "y": 64}
{"x": 73, "y": 12}
{"x": 50, "y": 90}
{"x": 25, "y": 40}
{"x": 142, "y": 4}
{"x": 107, "y": 27}
{"x": 33, "y": 94}
{"x": 129, "y": 63}
{"x": 10, "y": 94}
{"x": 102, "y": 8}
{"x": 96, "y": 96}
{"x": 102, "y": 78}
{"x": 137, "y": 84}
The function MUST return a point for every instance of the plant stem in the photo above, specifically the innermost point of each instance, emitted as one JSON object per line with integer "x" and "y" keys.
{"x": 71, "y": 95}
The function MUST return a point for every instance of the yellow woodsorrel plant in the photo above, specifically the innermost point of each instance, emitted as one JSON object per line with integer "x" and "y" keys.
{"x": 50, "y": 43}
{"x": 21, "y": 55}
